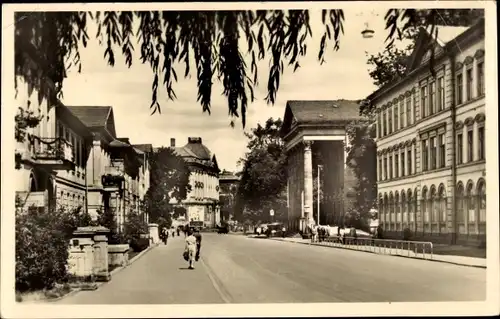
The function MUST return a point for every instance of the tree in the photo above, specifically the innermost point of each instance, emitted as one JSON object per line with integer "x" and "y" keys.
{"x": 169, "y": 179}
{"x": 362, "y": 159}
{"x": 47, "y": 45}
{"x": 263, "y": 181}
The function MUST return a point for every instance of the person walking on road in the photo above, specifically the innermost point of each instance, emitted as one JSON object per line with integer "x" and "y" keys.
{"x": 178, "y": 232}
{"x": 190, "y": 248}
{"x": 197, "y": 235}
{"x": 165, "y": 235}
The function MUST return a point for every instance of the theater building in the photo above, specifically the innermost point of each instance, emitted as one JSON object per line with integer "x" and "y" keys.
{"x": 431, "y": 141}
{"x": 202, "y": 203}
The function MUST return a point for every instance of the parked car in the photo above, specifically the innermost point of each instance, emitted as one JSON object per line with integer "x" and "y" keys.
{"x": 274, "y": 230}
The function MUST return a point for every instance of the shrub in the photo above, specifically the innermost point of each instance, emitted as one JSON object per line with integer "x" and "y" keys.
{"x": 139, "y": 244}
{"x": 134, "y": 226}
{"x": 406, "y": 234}
{"x": 107, "y": 218}
{"x": 42, "y": 241}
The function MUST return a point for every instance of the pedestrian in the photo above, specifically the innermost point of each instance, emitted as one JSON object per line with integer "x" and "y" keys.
{"x": 178, "y": 232}
{"x": 190, "y": 248}
{"x": 314, "y": 233}
{"x": 197, "y": 235}
{"x": 283, "y": 231}
{"x": 165, "y": 235}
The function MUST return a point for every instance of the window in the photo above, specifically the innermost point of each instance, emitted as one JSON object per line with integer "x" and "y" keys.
{"x": 396, "y": 164}
{"x": 390, "y": 167}
{"x": 425, "y": 155}
{"x": 385, "y": 168}
{"x": 460, "y": 92}
{"x": 469, "y": 84}
{"x": 442, "y": 151}
{"x": 385, "y": 122}
{"x": 380, "y": 169}
{"x": 414, "y": 107}
{"x": 432, "y": 98}
{"x": 470, "y": 146}
{"x": 78, "y": 156}
{"x": 396, "y": 117}
{"x": 402, "y": 113}
{"x": 379, "y": 125}
{"x": 390, "y": 120}
{"x": 440, "y": 102}
{"x": 403, "y": 163}
{"x": 408, "y": 110}
{"x": 480, "y": 78}
{"x": 423, "y": 101}
{"x": 481, "y": 150}
{"x": 433, "y": 150}
{"x": 460, "y": 148}
{"x": 408, "y": 158}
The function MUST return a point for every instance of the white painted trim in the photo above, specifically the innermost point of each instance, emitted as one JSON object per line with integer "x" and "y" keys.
{"x": 325, "y": 138}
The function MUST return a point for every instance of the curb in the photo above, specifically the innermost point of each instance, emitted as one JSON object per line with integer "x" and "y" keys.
{"x": 364, "y": 251}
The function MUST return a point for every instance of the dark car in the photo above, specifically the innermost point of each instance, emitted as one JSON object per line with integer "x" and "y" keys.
{"x": 274, "y": 230}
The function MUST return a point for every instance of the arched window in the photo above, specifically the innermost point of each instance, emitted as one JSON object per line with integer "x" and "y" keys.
{"x": 461, "y": 214}
{"x": 404, "y": 210}
{"x": 380, "y": 208}
{"x": 481, "y": 199}
{"x": 434, "y": 206}
{"x": 386, "y": 211}
{"x": 416, "y": 211}
{"x": 471, "y": 208}
{"x": 410, "y": 209}
{"x": 425, "y": 207}
{"x": 397, "y": 209}
{"x": 391, "y": 210}
{"x": 442, "y": 206}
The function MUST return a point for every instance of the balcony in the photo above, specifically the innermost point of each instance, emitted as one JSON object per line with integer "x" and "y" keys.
{"x": 33, "y": 199}
{"x": 53, "y": 153}
{"x": 113, "y": 178}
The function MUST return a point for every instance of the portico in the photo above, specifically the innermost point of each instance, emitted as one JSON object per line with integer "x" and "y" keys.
{"x": 314, "y": 133}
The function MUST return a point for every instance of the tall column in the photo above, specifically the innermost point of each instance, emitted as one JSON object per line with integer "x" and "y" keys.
{"x": 308, "y": 182}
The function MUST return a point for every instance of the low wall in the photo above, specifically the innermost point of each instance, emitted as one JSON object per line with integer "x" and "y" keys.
{"x": 118, "y": 255}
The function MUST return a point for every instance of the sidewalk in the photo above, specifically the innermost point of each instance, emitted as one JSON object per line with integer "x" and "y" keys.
{"x": 458, "y": 260}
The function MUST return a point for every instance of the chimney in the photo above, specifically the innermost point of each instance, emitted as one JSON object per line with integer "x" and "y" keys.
{"x": 172, "y": 142}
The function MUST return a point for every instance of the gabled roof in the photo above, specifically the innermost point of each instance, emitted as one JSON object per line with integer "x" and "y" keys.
{"x": 427, "y": 41}
{"x": 95, "y": 117}
{"x": 146, "y": 148}
{"x": 320, "y": 112}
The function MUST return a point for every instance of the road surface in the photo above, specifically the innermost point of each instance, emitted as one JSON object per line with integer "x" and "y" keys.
{"x": 236, "y": 269}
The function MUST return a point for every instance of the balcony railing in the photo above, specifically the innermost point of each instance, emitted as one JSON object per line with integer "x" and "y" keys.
{"x": 46, "y": 148}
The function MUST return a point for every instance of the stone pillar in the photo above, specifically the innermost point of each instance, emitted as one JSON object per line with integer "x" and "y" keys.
{"x": 154, "y": 237}
{"x": 308, "y": 183}
{"x": 81, "y": 256}
{"x": 101, "y": 269}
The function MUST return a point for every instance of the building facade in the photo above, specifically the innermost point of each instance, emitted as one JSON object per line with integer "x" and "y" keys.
{"x": 202, "y": 203}
{"x": 430, "y": 140}
{"x": 228, "y": 182}
{"x": 113, "y": 166}
{"x": 51, "y": 158}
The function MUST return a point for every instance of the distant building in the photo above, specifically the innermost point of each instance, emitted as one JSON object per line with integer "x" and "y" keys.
{"x": 431, "y": 140}
{"x": 202, "y": 203}
{"x": 228, "y": 182}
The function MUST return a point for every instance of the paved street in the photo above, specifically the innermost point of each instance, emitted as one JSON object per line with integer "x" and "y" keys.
{"x": 236, "y": 269}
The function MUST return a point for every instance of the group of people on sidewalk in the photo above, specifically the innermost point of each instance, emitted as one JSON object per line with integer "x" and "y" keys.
{"x": 165, "y": 233}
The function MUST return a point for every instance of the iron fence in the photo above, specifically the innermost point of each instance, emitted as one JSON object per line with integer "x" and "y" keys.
{"x": 415, "y": 249}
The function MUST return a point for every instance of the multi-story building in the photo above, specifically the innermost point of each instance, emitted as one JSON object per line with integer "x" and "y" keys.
{"x": 202, "y": 203}
{"x": 144, "y": 174}
{"x": 51, "y": 160}
{"x": 113, "y": 165}
{"x": 430, "y": 140}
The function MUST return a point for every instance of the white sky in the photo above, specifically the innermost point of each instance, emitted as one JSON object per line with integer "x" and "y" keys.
{"x": 343, "y": 76}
